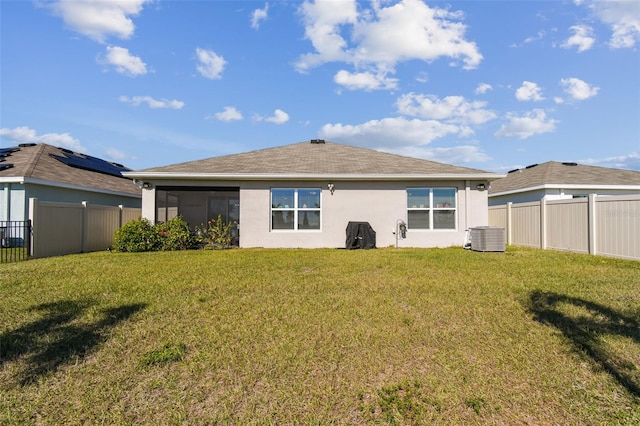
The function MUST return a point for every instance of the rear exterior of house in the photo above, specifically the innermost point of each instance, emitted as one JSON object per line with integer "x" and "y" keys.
{"x": 304, "y": 196}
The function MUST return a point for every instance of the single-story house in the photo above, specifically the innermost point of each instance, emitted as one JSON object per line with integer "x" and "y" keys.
{"x": 304, "y": 195}
{"x": 556, "y": 180}
{"x": 56, "y": 174}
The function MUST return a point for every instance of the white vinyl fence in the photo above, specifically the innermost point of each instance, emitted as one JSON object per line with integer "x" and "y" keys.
{"x": 65, "y": 228}
{"x": 603, "y": 225}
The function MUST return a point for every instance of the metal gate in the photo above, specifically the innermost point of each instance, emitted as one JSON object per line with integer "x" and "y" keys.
{"x": 15, "y": 240}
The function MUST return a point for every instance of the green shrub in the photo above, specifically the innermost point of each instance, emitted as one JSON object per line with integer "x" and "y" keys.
{"x": 217, "y": 234}
{"x": 174, "y": 235}
{"x": 136, "y": 236}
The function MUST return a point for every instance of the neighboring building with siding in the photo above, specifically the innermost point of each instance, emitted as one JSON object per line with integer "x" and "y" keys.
{"x": 305, "y": 194}
{"x": 555, "y": 180}
{"x": 56, "y": 174}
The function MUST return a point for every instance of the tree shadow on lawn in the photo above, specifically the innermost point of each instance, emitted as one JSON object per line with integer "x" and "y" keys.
{"x": 584, "y": 332}
{"x": 54, "y": 340}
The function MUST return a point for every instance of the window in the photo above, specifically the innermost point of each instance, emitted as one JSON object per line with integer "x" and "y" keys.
{"x": 295, "y": 209}
{"x": 431, "y": 208}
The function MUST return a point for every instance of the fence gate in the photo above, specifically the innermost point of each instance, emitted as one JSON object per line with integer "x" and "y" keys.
{"x": 15, "y": 240}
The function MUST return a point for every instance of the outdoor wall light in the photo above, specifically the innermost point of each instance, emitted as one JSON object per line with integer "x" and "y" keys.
{"x": 331, "y": 188}
{"x": 147, "y": 185}
{"x": 481, "y": 187}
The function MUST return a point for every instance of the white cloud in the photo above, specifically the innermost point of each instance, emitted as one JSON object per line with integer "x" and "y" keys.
{"x": 578, "y": 89}
{"x": 531, "y": 39}
{"x": 116, "y": 154}
{"x": 364, "y": 80}
{"x": 259, "y": 15}
{"x": 422, "y": 77}
{"x": 529, "y": 91}
{"x": 278, "y": 117}
{"x": 381, "y": 37}
{"x": 532, "y": 123}
{"x": 123, "y": 61}
{"x": 412, "y": 30}
{"x": 99, "y": 19}
{"x": 210, "y": 64}
{"x": 582, "y": 38}
{"x": 450, "y": 155}
{"x": 624, "y": 19}
{"x": 410, "y": 138}
{"x": 322, "y": 21}
{"x": 152, "y": 103}
{"x": 483, "y": 88}
{"x": 389, "y": 133}
{"x": 228, "y": 114}
{"x": 455, "y": 109}
{"x": 629, "y": 162}
{"x": 25, "y": 134}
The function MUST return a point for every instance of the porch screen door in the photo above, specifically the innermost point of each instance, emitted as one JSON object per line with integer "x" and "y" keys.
{"x": 227, "y": 205}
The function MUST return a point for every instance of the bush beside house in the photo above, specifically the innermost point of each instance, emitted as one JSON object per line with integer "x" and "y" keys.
{"x": 140, "y": 235}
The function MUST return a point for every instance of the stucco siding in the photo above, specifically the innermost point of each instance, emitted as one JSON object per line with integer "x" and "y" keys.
{"x": 381, "y": 204}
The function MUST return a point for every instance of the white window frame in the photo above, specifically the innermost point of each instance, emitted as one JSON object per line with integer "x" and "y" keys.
{"x": 295, "y": 210}
{"x": 431, "y": 209}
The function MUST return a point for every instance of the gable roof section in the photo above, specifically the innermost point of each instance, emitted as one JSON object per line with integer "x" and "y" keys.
{"x": 312, "y": 160}
{"x": 555, "y": 174}
{"x": 37, "y": 163}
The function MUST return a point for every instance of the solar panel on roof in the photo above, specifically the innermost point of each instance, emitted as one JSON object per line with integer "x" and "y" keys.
{"x": 92, "y": 164}
{"x": 8, "y": 151}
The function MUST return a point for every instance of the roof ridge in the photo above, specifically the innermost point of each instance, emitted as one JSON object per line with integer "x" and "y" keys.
{"x": 33, "y": 162}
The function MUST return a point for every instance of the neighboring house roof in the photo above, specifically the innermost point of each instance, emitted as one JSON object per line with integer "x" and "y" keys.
{"x": 48, "y": 165}
{"x": 313, "y": 159}
{"x": 555, "y": 174}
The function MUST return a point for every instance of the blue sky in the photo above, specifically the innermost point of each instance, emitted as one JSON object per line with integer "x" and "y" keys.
{"x": 493, "y": 85}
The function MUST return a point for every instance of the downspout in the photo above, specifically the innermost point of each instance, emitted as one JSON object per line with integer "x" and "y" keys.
{"x": 467, "y": 200}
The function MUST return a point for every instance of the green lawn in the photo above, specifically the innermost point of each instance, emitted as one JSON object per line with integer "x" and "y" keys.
{"x": 386, "y": 336}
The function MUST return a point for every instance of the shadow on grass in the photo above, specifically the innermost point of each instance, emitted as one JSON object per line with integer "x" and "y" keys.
{"x": 584, "y": 331}
{"x": 57, "y": 339}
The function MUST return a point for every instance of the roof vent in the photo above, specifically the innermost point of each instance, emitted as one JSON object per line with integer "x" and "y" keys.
{"x": 569, "y": 164}
{"x": 27, "y": 145}
{"x": 531, "y": 166}
{"x": 317, "y": 141}
{"x": 513, "y": 171}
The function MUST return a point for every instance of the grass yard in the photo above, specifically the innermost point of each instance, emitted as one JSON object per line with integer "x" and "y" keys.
{"x": 386, "y": 336}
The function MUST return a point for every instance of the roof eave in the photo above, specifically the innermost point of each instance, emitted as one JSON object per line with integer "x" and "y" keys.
{"x": 312, "y": 176}
{"x": 28, "y": 180}
{"x": 567, "y": 186}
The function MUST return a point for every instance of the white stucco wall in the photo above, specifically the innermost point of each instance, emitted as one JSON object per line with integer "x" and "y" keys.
{"x": 379, "y": 203}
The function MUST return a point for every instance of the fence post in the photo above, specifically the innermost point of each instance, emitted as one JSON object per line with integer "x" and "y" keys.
{"x": 85, "y": 220}
{"x": 591, "y": 232}
{"x": 543, "y": 223}
{"x": 33, "y": 217}
{"x": 509, "y": 204}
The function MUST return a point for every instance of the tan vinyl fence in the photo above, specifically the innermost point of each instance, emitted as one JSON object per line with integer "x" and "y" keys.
{"x": 603, "y": 225}
{"x": 65, "y": 228}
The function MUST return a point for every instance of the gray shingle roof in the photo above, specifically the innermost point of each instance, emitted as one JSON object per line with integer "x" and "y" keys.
{"x": 557, "y": 173}
{"x": 307, "y": 158}
{"x": 36, "y": 162}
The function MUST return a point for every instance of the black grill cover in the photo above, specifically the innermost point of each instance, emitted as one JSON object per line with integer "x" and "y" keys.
{"x": 360, "y": 235}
